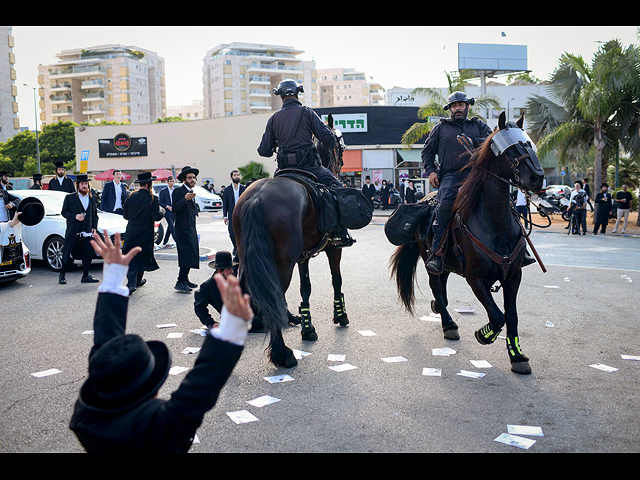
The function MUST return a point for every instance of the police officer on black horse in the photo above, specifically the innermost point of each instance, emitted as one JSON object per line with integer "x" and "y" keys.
{"x": 291, "y": 130}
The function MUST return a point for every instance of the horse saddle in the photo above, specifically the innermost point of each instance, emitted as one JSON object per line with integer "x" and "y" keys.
{"x": 411, "y": 222}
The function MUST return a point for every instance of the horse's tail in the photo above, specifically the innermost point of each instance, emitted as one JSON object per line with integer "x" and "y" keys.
{"x": 259, "y": 268}
{"x": 403, "y": 265}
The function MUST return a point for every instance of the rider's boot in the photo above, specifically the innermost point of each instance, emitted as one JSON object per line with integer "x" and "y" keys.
{"x": 528, "y": 259}
{"x": 341, "y": 238}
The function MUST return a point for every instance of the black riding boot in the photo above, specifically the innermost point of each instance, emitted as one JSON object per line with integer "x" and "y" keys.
{"x": 341, "y": 239}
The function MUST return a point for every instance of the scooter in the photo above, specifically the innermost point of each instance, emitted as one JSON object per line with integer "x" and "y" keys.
{"x": 394, "y": 198}
{"x": 551, "y": 206}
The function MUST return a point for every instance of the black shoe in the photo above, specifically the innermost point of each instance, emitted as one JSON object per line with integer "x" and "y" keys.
{"x": 528, "y": 260}
{"x": 182, "y": 287}
{"x": 89, "y": 279}
{"x": 131, "y": 290}
{"x": 61, "y": 279}
{"x": 191, "y": 284}
{"x": 141, "y": 282}
{"x": 435, "y": 264}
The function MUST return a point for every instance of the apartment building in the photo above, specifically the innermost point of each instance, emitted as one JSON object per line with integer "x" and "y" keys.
{"x": 105, "y": 82}
{"x": 9, "y": 121}
{"x": 238, "y": 78}
{"x": 195, "y": 111}
{"x": 348, "y": 87}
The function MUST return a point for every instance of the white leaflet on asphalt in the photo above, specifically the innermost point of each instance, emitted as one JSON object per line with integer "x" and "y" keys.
{"x": 335, "y": 357}
{"x": 279, "y": 378}
{"x": 525, "y": 430}
{"x": 175, "y": 335}
{"x": 444, "y": 352}
{"x": 604, "y": 368}
{"x": 551, "y": 286}
{"x": 432, "y": 372}
{"x": 299, "y": 354}
{"x": 465, "y": 310}
{"x": 343, "y": 367}
{"x": 242, "y": 416}
{"x": 467, "y": 373}
{"x": 432, "y": 317}
{"x": 515, "y": 441}
{"x": 549, "y": 324}
{"x": 167, "y": 325}
{"x": 394, "y": 359}
{"x": 177, "y": 370}
{"x": 262, "y": 401}
{"x": 191, "y": 350}
{"x": 481, "y": 363}
{"x": 367, "y": 333}
{"x": 88, "y": 332}
{"x": 46, "y": 373}
{"x": 200, "y": 331}
{"x": 630, "y": 357}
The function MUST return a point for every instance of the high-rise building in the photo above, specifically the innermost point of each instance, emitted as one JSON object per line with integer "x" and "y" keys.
{"x": 106, "y": 82}
{"x": 9, "y": 121}
{"x": 238, "y": 78}
{"x": 346, "y": 87}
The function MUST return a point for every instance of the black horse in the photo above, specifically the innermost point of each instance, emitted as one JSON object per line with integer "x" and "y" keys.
{"x": 276, "y": 222}
{"x": 485, "y": 241}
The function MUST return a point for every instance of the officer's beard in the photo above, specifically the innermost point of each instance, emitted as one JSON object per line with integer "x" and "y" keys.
{"x": 460, "y": 116}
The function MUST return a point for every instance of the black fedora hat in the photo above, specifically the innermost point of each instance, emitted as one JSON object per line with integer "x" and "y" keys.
{"x": 185, "y": 170}
{"x": 37, "y": 176}
{"x": 59, "y": 165}
{"x": 82, "y": 177}
{"x": 223, "y": 260}
{"x": 32, "y": 211}
{"x": 125, "y": 372}
{"x": 145, "y": 177}
{"x": 3, "y": 173}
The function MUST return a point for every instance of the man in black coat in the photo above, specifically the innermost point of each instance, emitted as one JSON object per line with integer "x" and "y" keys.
{"x": 166, "y": 202}
{"x": 117, "y": 410}
{"x": 81, "y": 212}
{"x": 184, "y": 208}
{"x": 37, "y": 182}
{"x": 61, "y": 182}
{"x": 142, "y": 210}
{"x": 8, "y": 202}
{"x": 229, "y": 199}
{"x": 114, "y": 194}
{"x": 603, "y": 209}
{"x": 368, "y": 190}
{"x": 208, "y": 293}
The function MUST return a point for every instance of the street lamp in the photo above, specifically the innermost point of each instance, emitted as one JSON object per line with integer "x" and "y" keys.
{"x": 508, "y": 117}
{"x": 35, "y": 110}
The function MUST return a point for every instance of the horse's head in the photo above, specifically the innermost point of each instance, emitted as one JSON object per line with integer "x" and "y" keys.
{"x": 332, "y": 157}
{"x": 512, "y": 143}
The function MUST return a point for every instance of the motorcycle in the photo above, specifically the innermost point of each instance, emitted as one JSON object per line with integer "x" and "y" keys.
{"x": 550, "y": 206}
{"x": 394, "y": 198}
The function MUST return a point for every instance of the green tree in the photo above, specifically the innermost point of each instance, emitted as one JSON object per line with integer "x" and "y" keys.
{"x": 170, "y": 119}
{"x": 58, "y": 142}
{"x": 591, "y": 106}
{"x": 17, "y": 150}
{"x": 252, "y": 171}
{"x": 436, "y": 100}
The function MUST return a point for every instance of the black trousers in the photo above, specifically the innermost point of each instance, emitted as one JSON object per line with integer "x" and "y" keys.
{"x": 81, "y": 249}
{"x": 171, "y": 228}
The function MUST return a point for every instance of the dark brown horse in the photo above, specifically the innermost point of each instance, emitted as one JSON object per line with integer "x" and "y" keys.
{"x": 276, "y": 223}
{"x": 489, "y": 236}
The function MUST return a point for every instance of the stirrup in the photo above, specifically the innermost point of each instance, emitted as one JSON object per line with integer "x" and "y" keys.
{"x": 342, "y": 241}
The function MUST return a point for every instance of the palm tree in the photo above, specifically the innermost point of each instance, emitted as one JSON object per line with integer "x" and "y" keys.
{"x": 591, "y": 106}
{"x": 436, "y": 100}
{"x": 252, "y": 171}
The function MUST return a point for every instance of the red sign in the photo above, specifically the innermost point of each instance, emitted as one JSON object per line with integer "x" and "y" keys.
{"x": 122, "y": 142}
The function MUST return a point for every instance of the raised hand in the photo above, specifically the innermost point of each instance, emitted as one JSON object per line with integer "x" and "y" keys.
{"x": 111, "y": 253}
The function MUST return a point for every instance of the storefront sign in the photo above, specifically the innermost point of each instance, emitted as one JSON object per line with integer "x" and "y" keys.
{"x": 123, "y": 146}
{"x": 349, "y": 122}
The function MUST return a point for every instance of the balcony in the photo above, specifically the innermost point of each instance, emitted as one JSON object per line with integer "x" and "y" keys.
{"x": 77, "y": 71}
{"x": 62, "y": 112}
{"x": 264, "y": 68}
{"x": 262, "y": 106}
{"x": 97, "y": 110}
{"x": 93, "y": 97}
{"x": 93, "y": 83}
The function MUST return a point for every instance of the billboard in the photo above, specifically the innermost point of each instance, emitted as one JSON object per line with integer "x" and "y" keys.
{"x": 492, "y": 57}
{"x": 122, "y": 146}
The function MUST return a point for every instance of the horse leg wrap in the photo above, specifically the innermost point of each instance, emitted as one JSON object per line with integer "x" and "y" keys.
{"x": 515, "y": 352}
{"x": 305, "y": 318}
{"x": 487, "y": 334}
{"x": 339, "y": 312}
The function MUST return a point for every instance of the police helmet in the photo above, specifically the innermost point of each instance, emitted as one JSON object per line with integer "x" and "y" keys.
{"x": 288, "y": 87}
{"x": 458, "y": 97}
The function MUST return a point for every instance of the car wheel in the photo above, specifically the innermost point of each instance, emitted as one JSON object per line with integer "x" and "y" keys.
{"x": 158, "y": 234}
{"x": 52, "y": 253}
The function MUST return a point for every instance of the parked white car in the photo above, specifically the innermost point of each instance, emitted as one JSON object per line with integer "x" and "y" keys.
{"x": 46, "y": 239}
{"x": 205, "y": 200}
{"x": 15, "y": 258}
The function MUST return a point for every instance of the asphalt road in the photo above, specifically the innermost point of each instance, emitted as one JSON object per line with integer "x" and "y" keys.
{"x": 378, "y": 406}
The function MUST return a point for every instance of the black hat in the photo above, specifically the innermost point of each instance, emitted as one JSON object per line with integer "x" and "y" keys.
{"x": 145, "y": 177}
{"x": 125, "y": 372}
{"x": 32, "y": 211}
{"x": 288, "y": 87}
{"x": 185, "y": 170}
{"x": 37, "y": 176}
{"x": 3, "y": 173}
{"x": 458, "y": 97}
{"x": 223, "y": 260}
{"x": 59, "y": 165}
{"x": 83, "y": 177}
{"x": 604, "y": 185}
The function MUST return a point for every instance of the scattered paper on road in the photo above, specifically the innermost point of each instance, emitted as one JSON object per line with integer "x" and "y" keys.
{"x": 200, "y": 331}
{"x": 630, "y": 357}
{"x": 343, "y": 367}
{"x": 367, "y": 333}
{"x": 465, "y": 310}
{"x": 481, "y": 363}
{"x": 604, "y": 368}
{"x": 177, "y": 370}
{"x": 549, "y": 324}
{"x": 467, "y": 373}
{"x": 394, "y": 359}
{"x": 432, "y": 372}
{"x": 191, "y": 350}
{"x": 175, "y": 335}
{"x": 551, "y": 286}
{"x": 242, "y": 416}
{"x": 299, "y": 354}
{"x": 525, "y": 430}
{"x": 46, "y": 373}
{"x": 335, "y": 357}
{"x": 88, "y": 332}
{"x": 432, "y": 317}
{"x": 263, "y": 401}
{"x": 167, "y": 325}
{"x": 444, "y": 352}
{"x": 515, "y": 441}
{"x": 279, "y": 378}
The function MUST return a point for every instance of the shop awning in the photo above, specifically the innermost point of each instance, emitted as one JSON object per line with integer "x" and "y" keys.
{"x": 413, "y": 155}
{"x": 352, "y": 161}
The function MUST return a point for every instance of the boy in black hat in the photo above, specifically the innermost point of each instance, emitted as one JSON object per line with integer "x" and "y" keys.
{"x": 81, "y": 211}
{"x": 61, "y": 183}
{"x": 37, "y": 182}
{"x": 117, "y": 410}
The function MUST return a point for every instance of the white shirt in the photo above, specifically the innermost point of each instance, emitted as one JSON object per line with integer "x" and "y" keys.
{"x": 522, "y": 199}
{"x": 170, "y": 195}
{"x": 118, "y": 189}
{"x": 4, "y": 213}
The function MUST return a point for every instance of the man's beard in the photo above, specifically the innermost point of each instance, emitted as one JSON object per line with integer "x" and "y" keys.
{"x": 60, "y": 174}
{"x": 235, "y": 180}
{"x": 83, "y": 191}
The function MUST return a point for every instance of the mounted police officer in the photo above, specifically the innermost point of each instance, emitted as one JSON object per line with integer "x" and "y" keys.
{"x": 291, "y": 130}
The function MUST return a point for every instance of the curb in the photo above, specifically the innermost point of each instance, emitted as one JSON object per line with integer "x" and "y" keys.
{"x": 158, "y": 254}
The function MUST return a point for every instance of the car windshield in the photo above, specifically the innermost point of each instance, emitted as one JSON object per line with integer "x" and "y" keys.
{"x": 52, "y": 201}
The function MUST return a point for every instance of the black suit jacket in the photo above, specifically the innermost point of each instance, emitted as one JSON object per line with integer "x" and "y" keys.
{"x": 67, "y": 185}
{"x": 229, "y": 201}
{"x": 369, "y": 191}
{"x": 155, "y": 426}
{"x": 207, "y": 294}
{"x": 70, "y": 208}
{"x": 142, "y": 211}
{"x": 9, "y": 198}
{"x": 186, "y": 234}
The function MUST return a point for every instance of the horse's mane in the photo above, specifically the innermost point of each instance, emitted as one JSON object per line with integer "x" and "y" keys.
{"x": 470, "y": 189}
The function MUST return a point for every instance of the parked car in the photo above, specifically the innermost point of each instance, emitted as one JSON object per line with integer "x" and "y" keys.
{"x": 45, "y": 240}
{"x": 205, "y": 200}
{"x": 15, "y": 258}
{"x": 558, "y": 191}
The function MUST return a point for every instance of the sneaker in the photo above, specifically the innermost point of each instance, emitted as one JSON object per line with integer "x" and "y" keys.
{"x": 191, "y": 284}
{"x": 622, "y": 231}
{"x": 615, "y": 231}
{"x": 182, "y": 287}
